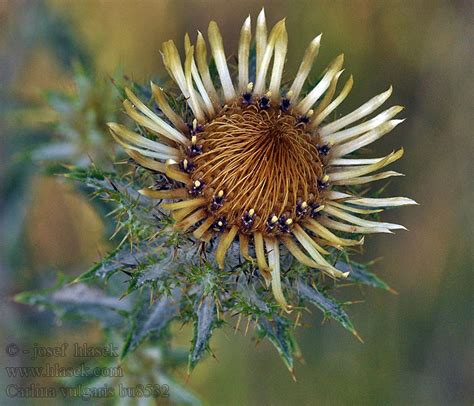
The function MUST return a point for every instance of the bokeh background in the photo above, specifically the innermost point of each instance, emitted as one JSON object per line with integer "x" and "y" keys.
{"x": 418, "y": 344}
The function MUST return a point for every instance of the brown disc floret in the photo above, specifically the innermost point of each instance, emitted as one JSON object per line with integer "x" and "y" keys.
{"x": 259, "y": 167}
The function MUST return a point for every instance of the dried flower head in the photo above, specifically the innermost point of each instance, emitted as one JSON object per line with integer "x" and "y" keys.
{"x": 255, "y": 159}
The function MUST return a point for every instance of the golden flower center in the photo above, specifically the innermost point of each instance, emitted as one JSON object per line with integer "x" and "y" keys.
{"x": 260, "y": 161}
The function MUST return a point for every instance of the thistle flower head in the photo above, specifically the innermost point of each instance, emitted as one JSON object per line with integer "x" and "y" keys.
{"x": 256, "y": 159}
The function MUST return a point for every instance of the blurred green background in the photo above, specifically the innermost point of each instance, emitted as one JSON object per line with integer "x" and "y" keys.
{"x": 418, "y": 344}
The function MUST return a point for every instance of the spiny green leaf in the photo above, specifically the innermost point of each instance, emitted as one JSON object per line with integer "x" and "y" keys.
{"x": 82, "y": 300}
{"x": 154, "y": 272}
{"x": 277, "y": 331}
{"x": 251, "y": 300}
{"x": 92, "y": 175}
{"x": 159, "y": 266}
{"x": 103, "y": 181}
{"x": 327, "y": 305}
{"x": 122, "y": 258}
{"x": 206, "y": 320}
{"x": 360, "y": 274}
{"x": 152, "y": 319}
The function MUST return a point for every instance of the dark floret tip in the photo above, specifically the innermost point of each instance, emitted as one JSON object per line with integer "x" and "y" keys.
{"x": 285, "y": 104}
{"x": 264, "y": 102}
{"x": 187, "y": 166}
{"x": 248, "y": 218}
{"x": 193, "y": 130}
{"x": 247, "y": 98}
{"x": 284, "y": 223}
{"x": 322, "y": 185}
{"x": 323, "y": 149}
{"x": 220, "y": 224}
{"x": 194, "y": 149}
{"x": 272, "y": 222}
{"x": 302, "y": 119}
{"x": 217, "y": 202}
{"x": 301, "y": 208}
{"x": 197, "y": 188}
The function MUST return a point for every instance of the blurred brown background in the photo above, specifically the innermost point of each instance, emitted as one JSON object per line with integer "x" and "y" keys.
{"x": 419, "y": 344}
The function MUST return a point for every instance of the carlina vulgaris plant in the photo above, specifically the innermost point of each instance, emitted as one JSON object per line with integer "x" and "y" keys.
{"x": 258, "y": 161}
